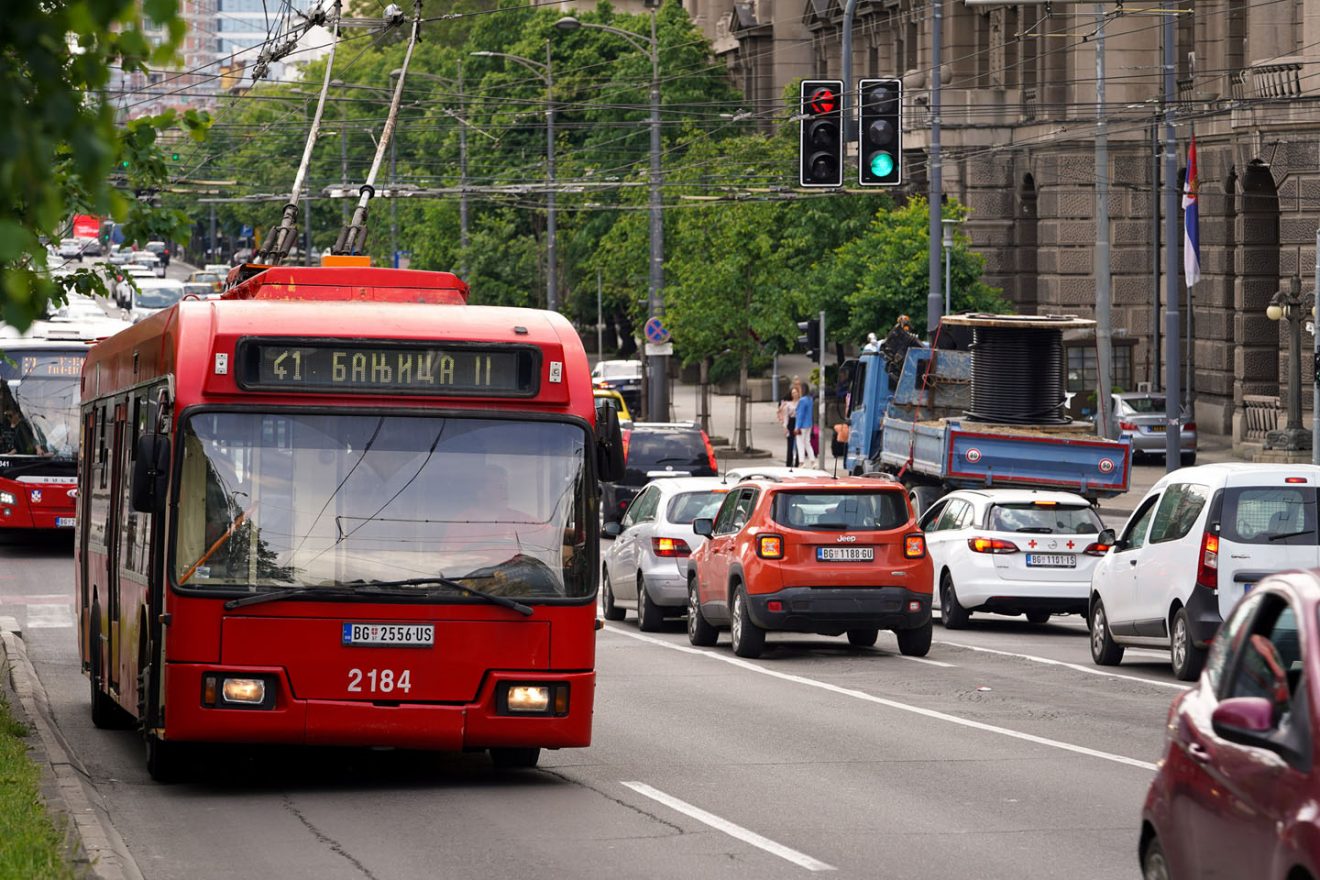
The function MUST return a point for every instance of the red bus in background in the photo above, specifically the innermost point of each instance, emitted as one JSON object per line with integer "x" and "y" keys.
{"x": 339, "y": 506}
{"x": 39, "y": 398}
{"x": 86, "y": 226}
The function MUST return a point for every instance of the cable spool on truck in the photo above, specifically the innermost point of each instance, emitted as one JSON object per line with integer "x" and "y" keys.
{"x": 983, "y": 408}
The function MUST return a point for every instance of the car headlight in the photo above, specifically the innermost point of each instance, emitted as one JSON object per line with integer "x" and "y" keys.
{"x": 7, "y": 498}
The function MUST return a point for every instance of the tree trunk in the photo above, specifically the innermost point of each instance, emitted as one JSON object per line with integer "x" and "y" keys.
{"x": 703, "y": 396}
{"x": 742, "y": 443}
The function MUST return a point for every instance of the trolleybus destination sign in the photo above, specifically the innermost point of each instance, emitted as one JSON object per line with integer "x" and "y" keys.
{"x": 376, "y": 367}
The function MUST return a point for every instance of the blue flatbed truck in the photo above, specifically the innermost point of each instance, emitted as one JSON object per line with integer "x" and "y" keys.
{"x": 918, "y": 431}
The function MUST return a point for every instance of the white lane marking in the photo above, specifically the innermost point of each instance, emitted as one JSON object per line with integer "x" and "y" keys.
{"x": 1089, "y": 670}
{"x": 802, "y": 860}
{"x": 923, "y": 660}
{"x": 49, "y": 616}
{"x": 892, "y": 704}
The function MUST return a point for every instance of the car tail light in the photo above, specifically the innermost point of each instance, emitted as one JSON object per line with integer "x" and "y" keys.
{"x": 1207, "y": 572}
{"x": 1127, "y": 426}
{"x": 1097, "y": 549}
{"x": 1294, "y": 479}
{"x": 991, "y": 545}
{"x": 710, "y": 453}
{"x": 770, "y": 546}
{"x": 914, "y": 546}
{"x": 1190, "y": 426}
{"x": 670, "y": 547}
{"x": 627, "y": 435}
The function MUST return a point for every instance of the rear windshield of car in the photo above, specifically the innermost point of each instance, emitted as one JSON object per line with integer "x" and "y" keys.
{"x": 840, "y": 511}
{"x": 1058, "y": 519}
{"x": 1269, "y": 515}
{"x": 1145, "y": 404}
{"x": 681, "y": 451}
{"x": 620, "y": 371}
{"x": 689, "y": 506}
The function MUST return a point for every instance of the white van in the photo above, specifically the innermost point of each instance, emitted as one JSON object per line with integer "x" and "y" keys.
{"x": 1198, "y": 542}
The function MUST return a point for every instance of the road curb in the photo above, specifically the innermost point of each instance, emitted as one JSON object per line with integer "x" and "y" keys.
{"x": 95, "y": 846}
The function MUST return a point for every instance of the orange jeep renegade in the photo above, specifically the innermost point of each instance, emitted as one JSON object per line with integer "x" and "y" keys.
{"x": 811, "y": 555}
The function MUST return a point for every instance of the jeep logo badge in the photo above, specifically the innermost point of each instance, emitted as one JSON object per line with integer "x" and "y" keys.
{"x": 846, "y": 539}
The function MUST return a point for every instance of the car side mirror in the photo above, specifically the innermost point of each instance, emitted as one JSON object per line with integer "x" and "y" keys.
{"x": 609, "y": 444}
{"x": 704, "y": 526}
{"x": 613, "y": 529}
{"x": 1243, "y": 719}
{"x": 1106, "y": 537}
{"x": 151, "y": 474}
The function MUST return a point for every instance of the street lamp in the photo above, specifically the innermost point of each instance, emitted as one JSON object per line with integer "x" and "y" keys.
{"x": 949, "y": 224}
{"x": 657, "y": 366}
{"x": 1291, "y": 306}
{"x": 544, "y": 72}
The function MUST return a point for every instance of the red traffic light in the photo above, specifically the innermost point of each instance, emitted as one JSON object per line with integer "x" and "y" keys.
{"x": 823, "y": 101}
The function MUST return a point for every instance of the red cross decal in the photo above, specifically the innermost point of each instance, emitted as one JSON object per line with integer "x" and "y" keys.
{"x": 1071, "y": 545}
{"x": 1032, "y": 543}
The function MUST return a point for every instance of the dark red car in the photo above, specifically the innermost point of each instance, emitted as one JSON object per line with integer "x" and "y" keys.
{"x": 1236, "y": 793}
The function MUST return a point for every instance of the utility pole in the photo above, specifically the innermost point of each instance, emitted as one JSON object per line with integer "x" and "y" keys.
{"x": 394, "y": 204}
{"x": 1103, "y": 294}
{"x": 1172, "y": 326}
{"x": 215, "y": 255}
{"x": 1155, "y": 237}
{"x": 462, "y": 178}
{"x": 551, "y": 267}
{"x": 936, "y": 197}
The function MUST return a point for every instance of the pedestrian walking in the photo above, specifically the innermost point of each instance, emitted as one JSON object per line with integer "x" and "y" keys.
{"x": 802, "y": 428}
{"x": 787, "y": 417}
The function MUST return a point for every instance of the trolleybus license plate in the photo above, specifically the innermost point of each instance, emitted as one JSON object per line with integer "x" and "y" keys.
{"x": 64, "y": 522}
{"x": 394, "y": 635}
{"x": 845, "y": 554}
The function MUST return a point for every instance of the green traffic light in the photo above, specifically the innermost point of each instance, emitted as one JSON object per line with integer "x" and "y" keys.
{"x": 882, "y": 164}
{"x": 174, "y": 157}
{"x": 123, "y": 164}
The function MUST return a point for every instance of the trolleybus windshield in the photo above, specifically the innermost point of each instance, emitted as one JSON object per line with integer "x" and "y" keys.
{"x": 39, "y": 398}
{"x": 273, "y": 501}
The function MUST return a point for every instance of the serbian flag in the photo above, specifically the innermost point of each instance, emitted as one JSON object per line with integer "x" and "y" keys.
{"x": 1191, "y": 221}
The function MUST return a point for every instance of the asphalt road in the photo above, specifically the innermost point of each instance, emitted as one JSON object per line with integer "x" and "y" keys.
{"x": 1005, "y": 753}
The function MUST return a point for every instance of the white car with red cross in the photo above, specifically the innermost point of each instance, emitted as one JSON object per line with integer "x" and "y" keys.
{"x": 1012, "y": 551}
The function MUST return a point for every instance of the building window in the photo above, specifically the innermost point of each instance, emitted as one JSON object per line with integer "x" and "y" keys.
{"x": 1082, "y": 370}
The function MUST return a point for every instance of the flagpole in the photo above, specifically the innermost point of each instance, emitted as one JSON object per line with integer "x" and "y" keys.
{"x": 1173, "y": 325}
{"x": 1191, "y": 272}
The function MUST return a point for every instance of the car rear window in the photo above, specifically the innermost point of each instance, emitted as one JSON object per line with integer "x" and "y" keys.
{"x": 680, "y": 450}
{"x": 689, "y": 506}
{"x": 1145, "y": 405}
{"x": 1269, "y": 515}
{"x": 840, "y": 511}
{"x": 1057, "y": 519}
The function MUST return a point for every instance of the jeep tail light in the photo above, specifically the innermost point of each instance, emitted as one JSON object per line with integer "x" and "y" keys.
{"x": 670, "y": 547}
{"x": 1097, "y": 549}
{"x": 991, "y": 545}
{"x": 914, "y": 546}
{"x": 1207, "y": 572}
{"x": 710, "y": 453}
{"x": 770, "y": 546}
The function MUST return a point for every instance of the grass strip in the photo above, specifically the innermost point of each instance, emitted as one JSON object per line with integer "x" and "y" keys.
{"x": 31, "y": 847}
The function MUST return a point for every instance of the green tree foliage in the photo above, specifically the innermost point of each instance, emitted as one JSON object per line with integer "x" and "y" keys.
{"x": 63, "y": 152}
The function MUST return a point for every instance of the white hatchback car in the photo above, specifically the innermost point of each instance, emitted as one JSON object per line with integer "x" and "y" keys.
{"x": 1011, "y": 551}
{"x": 1198, "y": 542}
{"x": 646, "y": 567}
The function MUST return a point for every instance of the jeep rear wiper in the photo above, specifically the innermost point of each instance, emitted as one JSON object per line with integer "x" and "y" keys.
{"x": 494, "y": 599}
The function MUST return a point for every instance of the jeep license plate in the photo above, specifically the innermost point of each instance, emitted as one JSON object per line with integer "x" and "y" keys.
{"x": 845, "y": 554}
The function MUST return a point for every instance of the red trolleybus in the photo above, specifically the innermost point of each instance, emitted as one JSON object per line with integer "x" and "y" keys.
{"x": 39, "y": 398}
{"x": 339, "y": 506}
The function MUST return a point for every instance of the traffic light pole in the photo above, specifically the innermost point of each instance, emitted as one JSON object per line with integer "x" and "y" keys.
{"x": 934, "y": 303}
{"x": 820, "y": 387}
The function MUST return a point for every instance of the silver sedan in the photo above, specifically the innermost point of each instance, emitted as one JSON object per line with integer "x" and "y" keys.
{"x": 1139, "y": 416}
{"x": 645, "y": 568}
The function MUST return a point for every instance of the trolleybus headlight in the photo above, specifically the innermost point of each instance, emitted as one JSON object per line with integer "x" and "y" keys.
{"x": 249, "y": 691}
{"x": 237, "y": 692}
{"x": 7, "y": 498}
{"x": 532, "y": 699}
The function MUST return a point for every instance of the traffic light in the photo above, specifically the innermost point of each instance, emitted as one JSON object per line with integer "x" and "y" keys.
{"x": 810, "y": 338}
{"x": 880, "y": 131}
{"x": 821, "y": 133}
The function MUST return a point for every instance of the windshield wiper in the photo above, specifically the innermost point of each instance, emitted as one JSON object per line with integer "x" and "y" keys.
{"x": 1291, "y": 534}
{"x": 287, "y": 593}
{"x": 1036, "y": 530}
{"x": 494, "y": 599}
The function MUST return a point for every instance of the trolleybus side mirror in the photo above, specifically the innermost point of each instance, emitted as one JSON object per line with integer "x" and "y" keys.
{"x": 151, "y": 472}
{"x": 609, "y": 444}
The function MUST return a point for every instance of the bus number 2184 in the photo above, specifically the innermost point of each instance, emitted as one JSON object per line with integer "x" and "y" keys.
{"x": 379, "y": 681}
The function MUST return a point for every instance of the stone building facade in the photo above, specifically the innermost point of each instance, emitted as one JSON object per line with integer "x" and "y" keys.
{"x": 1019, "y": 120}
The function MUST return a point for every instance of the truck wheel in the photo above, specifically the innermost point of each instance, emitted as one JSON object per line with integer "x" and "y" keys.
{"x": 1104, "y": 650}
{"x": 923, "y": 497}
{"x": 952, "y": 613}
{"x": 863, "y": 638}
{"x": 612, "y": 611}
{"x": 915, "y": 642}
{"x": 748, "y": 638}
{"x": 1187, "y": 658}
{"x": 700, "y": 633}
